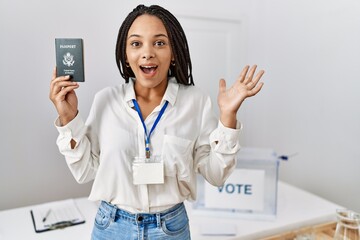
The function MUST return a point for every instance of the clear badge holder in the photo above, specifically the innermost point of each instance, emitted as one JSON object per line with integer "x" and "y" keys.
{"x": 148, "y": 170}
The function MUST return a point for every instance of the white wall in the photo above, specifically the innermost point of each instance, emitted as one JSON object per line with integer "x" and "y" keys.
{"x": 309, "y": 104}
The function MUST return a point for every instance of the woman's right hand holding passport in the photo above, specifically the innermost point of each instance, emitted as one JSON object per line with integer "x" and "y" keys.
{"x": 64, "y": 98}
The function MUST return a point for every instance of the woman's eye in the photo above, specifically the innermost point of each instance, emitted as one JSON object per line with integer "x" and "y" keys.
{"x": 159, "y": 43}
{"x": 135, "y": 44}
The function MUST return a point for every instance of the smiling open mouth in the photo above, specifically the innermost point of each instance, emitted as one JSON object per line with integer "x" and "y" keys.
{"x": 148, "y": 69}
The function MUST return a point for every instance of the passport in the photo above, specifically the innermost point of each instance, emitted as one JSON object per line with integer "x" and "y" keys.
{"x": 70, "y": 58}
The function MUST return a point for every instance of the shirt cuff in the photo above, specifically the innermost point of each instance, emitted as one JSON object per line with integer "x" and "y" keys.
{"x": 75, "y": 129}
{"x": 226, "y": 140}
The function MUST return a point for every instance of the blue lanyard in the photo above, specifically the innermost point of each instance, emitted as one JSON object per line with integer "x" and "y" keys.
{"x": 147, "y": 136}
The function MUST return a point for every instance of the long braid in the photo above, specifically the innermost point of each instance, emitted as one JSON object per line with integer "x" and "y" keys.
{"x": 182, "y": 70}
{"x": 185, "y": 67}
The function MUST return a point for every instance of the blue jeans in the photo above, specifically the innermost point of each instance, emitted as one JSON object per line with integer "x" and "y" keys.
{"x": 114, "y": 223}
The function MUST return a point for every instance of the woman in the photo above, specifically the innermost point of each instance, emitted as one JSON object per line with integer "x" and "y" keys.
{"x": 144, "y": 141}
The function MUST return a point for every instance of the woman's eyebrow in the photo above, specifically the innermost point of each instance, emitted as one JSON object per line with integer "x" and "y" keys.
{"x": 161, "y": 35}
{"x": 156, "y": 35}
{"x": 134, "y": 35}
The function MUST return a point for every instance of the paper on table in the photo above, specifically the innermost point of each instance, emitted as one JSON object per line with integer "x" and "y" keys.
{"x": 51, "y": 215}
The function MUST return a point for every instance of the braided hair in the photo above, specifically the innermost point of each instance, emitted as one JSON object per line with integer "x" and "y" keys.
{"x": 182, "y": 70}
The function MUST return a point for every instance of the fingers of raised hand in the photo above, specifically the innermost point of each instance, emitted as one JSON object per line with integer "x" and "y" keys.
{"x": 255, "y": 89}
{"x": 250, "y": 75}
{"x": 243, "y": 73}
{"x": 254, "y": 82}
{"x": 247, "y": 76}
{"x": 60, "y": 86}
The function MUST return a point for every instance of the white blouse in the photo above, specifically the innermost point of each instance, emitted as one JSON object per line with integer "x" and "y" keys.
{"x": 188, "y": 137}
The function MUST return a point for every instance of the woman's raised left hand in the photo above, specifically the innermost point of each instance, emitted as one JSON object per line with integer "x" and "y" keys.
{"x": 230, "y": 100}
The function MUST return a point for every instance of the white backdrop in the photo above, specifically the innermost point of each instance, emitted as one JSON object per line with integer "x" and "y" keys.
{"x": 309, "y": 104}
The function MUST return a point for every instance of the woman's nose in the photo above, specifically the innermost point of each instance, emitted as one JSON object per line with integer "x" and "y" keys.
{"x": 148, "y": 53}
{"x": 148, "y": 56}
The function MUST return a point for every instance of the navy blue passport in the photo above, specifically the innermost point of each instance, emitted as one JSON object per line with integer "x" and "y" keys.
{"x": 70, "y": 58}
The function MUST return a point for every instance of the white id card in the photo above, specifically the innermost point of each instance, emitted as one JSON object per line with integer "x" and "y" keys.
{"x": 148, "y": 171}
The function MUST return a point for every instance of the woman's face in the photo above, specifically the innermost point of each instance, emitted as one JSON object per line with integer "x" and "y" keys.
{"x": 148, "y": 51}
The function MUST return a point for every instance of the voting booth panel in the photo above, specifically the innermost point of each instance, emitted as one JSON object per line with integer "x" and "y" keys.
{"x": 249, "y": 192}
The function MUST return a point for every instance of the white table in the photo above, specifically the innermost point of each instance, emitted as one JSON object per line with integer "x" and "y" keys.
{"x": 296, "y": 208}
{"x": 17, "y": 224}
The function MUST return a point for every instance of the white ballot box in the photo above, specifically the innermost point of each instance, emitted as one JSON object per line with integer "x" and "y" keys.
{"x": 249, "y": 192}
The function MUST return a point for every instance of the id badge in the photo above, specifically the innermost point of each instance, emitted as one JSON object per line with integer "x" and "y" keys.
{"x": 148, "y": 170}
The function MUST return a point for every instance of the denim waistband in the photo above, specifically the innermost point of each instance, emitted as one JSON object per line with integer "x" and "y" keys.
{"x": 145, "y": 218}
